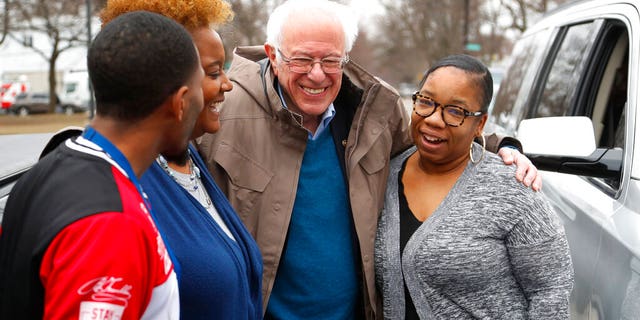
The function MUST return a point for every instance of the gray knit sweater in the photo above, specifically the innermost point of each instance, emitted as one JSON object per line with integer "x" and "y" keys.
{"x": 493, "y": 249}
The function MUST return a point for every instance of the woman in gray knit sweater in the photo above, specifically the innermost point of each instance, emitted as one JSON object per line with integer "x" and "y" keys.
{"x": 459, "y": 237}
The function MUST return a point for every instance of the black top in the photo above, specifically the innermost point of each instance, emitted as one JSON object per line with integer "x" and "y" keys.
{"x": 408, "y": 225}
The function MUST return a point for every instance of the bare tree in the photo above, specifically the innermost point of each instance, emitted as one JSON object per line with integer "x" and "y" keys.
{"x": 522, "y": 11}
{"x": 62, "y": 21}
{"x": 5, "y": 20}
{"x": 414, "y": 33}
{"x": 249, "y": 24}
{"x": 363, "y": 51}
{"x": 247, "y": 27}
{"x": 495, "y": 45}
{"x": 411, "y": 34}
{"x": 99, "y": 4}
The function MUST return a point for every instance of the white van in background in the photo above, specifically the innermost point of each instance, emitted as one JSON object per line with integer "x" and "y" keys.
{"x": 75, "y": 96}
{"x": 9, "y": 89}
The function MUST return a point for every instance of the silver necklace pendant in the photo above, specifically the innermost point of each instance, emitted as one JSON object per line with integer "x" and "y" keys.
{"x": 194, "y": 172}
{"x": 193, "y": 184}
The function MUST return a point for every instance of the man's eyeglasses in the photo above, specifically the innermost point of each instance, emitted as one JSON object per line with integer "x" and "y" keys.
{"x": 304, "y": 65}
{"x": 452, "y": 115}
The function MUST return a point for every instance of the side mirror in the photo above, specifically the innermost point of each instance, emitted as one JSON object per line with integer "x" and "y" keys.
{"x": 567, "y": 145}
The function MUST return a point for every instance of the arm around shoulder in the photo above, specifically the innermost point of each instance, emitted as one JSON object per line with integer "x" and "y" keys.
{"x": 510, "y": 150}
{"x": 496, "y": 141}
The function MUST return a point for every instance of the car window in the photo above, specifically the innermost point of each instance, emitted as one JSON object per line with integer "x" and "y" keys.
{"x": 588, "y": 77}
{"x": 610, "y": 85}
{"x": 566, "y": 70}
{"x": 607, "y": 114}
{"x": 70, "y": 87}
{"x": 509, "y": 105}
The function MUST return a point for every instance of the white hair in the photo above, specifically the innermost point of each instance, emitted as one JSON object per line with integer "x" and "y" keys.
{"x": 313, "y": 10}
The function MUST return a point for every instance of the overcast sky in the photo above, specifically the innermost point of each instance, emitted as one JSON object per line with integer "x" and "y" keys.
{"x": 366, "y": 8}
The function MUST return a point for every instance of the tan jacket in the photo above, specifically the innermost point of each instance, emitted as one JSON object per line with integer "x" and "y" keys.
{"x": 256, "y": 156}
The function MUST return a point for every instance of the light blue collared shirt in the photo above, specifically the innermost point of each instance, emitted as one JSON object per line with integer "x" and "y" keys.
{"x": 327, "y": 116}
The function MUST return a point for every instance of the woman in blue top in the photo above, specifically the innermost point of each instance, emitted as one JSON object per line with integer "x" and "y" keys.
{"x": 218, "y": 263}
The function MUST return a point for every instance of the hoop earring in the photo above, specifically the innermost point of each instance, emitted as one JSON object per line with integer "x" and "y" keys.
{"x": 484, "y": 144}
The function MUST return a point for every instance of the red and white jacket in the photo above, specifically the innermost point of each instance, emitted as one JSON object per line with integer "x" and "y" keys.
{"x": 78, "y": 242}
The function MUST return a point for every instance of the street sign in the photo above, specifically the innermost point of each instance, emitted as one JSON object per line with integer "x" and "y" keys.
{"x": 473, "y": 47}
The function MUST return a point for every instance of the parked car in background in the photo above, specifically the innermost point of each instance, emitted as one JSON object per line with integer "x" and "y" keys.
{"x": 31, "y": 102}
{"x": 574, "y": 80}
{"x": 38, "y": 102}
{"x": 70, "y": 107}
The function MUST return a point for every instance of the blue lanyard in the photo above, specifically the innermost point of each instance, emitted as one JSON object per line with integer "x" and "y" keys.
{"x": 94, "y": 136}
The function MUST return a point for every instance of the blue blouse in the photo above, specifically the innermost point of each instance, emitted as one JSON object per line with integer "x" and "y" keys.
{"x": 218, "y": 278}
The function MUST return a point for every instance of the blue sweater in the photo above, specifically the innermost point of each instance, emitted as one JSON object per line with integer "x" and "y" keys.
{"x": 218, "y": 278}
{"x": 317, "y": 277}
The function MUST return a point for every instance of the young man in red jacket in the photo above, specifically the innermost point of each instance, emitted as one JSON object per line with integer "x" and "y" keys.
{"x": 77, "y": 240}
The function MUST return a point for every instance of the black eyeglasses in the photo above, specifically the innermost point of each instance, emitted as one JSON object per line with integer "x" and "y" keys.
{"x": 305, "y": 65}
{"x": 451, "y": 114}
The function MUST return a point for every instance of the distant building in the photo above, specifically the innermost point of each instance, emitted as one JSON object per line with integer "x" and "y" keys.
{"x": 22, "y": 67}
{"x": 18, "y": 61}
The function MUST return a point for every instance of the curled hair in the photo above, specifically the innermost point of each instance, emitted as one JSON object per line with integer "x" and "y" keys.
{"x": 137, "y": 61}
{"x": 313, "y": 10}
{"x": 472, "y": 66}
{"x": 192, "y": 14}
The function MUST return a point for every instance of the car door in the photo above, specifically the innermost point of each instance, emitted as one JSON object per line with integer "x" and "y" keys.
{"x": 594, "y": 83}
{"x": 40, "y": 102}
{"x": 18, "y": 152}
{"x": 551, "y": 95}
{"x": 589, "y": 68}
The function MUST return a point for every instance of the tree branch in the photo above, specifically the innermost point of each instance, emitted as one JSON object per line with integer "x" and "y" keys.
{"x": 5, "y": 21}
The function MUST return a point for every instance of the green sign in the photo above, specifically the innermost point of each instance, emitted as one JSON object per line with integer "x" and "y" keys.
{"x": 473, "y": 47}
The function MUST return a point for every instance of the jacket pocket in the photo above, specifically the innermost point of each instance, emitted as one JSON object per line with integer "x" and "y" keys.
{"x": 377, "y": 156}
{"x": 372, "y": 179}
{"x": 372, "y": 163}
{"x": 247, "y": 178}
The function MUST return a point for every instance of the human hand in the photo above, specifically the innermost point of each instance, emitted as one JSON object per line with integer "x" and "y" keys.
{"x": 526, "y": 172}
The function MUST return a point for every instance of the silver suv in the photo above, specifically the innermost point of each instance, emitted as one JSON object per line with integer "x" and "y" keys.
{"x": 571, "y": 95}
{"x": 30, "y": 102}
